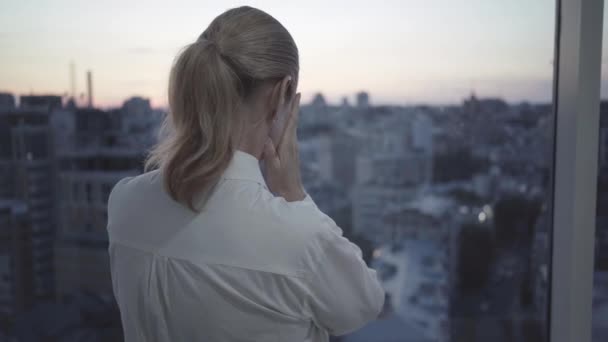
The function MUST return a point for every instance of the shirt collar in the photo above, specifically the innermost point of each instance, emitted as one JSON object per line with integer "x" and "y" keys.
{"x": 244, "y": 166}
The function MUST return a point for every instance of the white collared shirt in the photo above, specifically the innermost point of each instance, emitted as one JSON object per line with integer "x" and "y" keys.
{"x": 249, "y": 267}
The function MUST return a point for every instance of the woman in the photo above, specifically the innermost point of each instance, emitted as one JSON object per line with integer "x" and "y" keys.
{"x": 207, "y": 248}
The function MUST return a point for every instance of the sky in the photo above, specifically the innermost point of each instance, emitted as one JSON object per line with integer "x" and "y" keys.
{"x": 400, "y": 51}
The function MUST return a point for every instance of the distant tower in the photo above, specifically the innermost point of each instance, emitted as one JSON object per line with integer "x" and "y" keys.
{"x": 362, "y": 100}
{"x": 345, "y": 103}
{"x": 72, "y": 80}
{"x": 319, "y": 101}
{"x": 90, "y": 88}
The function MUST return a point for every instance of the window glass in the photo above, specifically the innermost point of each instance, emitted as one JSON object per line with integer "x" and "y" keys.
{"x": 425, "y": 133}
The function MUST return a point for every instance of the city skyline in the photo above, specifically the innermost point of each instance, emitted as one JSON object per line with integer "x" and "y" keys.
{"x": 398, "y": 52}
{"x": 391, "y": 184}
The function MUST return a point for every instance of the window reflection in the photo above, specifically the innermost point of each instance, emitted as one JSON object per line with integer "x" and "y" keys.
{"x": 600, "y": 290}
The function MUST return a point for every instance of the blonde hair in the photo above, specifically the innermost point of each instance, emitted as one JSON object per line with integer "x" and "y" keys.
{"x": 210, "y": 78}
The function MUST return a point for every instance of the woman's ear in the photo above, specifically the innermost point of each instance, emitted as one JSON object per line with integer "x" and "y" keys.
{"x": 278, "y": 97}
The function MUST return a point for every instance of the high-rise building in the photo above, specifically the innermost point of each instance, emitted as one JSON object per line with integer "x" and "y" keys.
{"x": 345, "y": 103}
{"x": 422, "y": 133}
{"x": 7, "y": 101}
{"x": 333, "y": 201}
{"x": 315, "y": 152}
{"x": 16, "y": 260}
{"x": 362, "y": 100}
{"x": 85, "y": 180}
{"x": 98, "y": 157}
{"x": 319, "y": 101}
{"x": 390, "y": 170}
{"x": 27, "y": 166}
{"x": 345, "y": 147}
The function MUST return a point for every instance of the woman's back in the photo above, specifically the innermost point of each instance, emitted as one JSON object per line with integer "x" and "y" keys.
{"x": 249, "y": 267}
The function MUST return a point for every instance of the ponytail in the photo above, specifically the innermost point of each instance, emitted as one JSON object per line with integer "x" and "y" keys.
{"x": 203, "y": 97}
{"x": 208, "y": 82}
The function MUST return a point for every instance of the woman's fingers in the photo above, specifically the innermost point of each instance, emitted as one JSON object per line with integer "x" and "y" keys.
{"x": 270, "y": 155}
{"x": 295, "y": 111}
{"x": 282, "y": 160}
{"x": 291, "y": 127}
{"x": 287, "y": 126}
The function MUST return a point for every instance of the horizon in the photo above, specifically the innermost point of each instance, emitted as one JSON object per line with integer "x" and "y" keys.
{"x": 82, "y": 103}
{"x": 403, "y": 54}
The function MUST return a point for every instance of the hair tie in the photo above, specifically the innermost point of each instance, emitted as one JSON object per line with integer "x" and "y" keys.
{"x": 210, "y": 43}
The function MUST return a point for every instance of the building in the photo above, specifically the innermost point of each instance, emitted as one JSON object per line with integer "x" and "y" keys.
{"x": 422, "y": 133}
{"x": 486, "y": 105}
{"x": 85, "y": 179}
{"x": 315, "y": 153}
{"x": 428, "y": 217}
{"x": 423, "y": 232}
{"x": 539, "y": 265}
{"x": 333, "y": 201}
{"x": 369, "y": 209}
{"x": 409, "y": 169}
{"x": 345, "y": 104}
{"x": 62, "y": 122}
{"x": 137, "y": 106}
{"x": 45, "y": 103}
{"x": 27, "y": 166}
{"x": 95, "y": 127}
{"x": 392, "y": 168}
{"x": 318, "y": 101}
{"x": 345, "y": 147}
{"x": 317, "y": 113}
{"x": 600, "y": 306}
{"x": 137, "y": 122}
{"x": 7, "y": 101}
{"x": 17, "y": 271}
{"x": 362, "y": 100}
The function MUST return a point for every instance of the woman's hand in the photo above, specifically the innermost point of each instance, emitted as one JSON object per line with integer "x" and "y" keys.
{"x": 282, "y": 163}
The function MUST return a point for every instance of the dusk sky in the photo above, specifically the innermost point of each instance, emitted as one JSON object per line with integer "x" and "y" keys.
{"x": 401, "y": 51}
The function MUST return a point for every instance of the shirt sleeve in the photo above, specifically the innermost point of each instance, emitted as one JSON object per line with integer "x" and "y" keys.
{"x": 344, "y": 294}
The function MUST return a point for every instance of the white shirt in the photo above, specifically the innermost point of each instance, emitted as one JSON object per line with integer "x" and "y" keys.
{"x": 249, "y": 267}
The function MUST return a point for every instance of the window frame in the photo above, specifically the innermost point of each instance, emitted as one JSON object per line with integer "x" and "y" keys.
{"x": 576, "y": 98}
